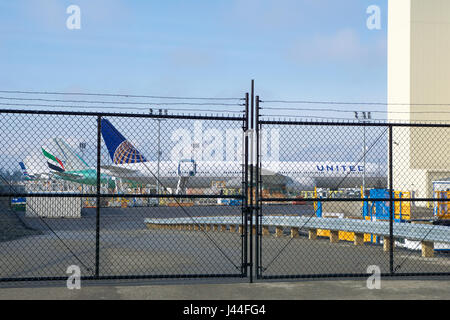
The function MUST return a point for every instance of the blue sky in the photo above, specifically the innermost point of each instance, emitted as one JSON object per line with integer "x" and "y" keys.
{"x": 294, "y": 49}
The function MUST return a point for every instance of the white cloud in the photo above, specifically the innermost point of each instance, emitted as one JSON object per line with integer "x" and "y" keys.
{"x": 343, "y": 46}
{"x": 265, "y": 14}
{"x": 190, "y": 57}
{"x": 50, "y": 14}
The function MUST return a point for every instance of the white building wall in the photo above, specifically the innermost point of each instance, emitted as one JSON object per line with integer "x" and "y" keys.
{"x": 419, "y": 73}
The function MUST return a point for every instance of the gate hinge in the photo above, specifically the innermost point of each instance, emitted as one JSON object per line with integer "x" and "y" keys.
{"x": 248, "y": 211}
{"x": 249, "y": 132}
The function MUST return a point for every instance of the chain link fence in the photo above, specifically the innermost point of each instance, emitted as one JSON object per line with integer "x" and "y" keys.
{"x": 357, "y": 195}
{"x": 178, "y": 196}
{"x": 121, "y": 196}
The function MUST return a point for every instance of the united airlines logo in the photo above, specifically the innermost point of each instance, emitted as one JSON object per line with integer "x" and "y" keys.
{"x": 340, "y": 168}
{"x": 126, "y": 153}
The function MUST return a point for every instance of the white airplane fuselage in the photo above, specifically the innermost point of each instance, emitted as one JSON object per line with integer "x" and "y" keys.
{"x": 307, "y": 175}
{"x": 296, "y": 175}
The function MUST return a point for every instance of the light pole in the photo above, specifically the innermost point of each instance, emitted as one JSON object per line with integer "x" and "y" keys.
{"x": 160, "y": 111}
{"x": 366, "y": 116}
{"x": 82, "y": 146}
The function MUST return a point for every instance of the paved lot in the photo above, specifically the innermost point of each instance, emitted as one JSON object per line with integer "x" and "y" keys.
{"x": 127, "y": 247}
{"x": 320, "y": 290}
{"x": 11, "y": 227}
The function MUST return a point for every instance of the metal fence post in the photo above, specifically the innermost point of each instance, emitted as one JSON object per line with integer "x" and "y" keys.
{"x": 257, "y": 194}
{"x": 391, "y": 204}
{"x": 245, "y": 188}
{"x": 250, "y": 212}
{"x": 97, "y": 231}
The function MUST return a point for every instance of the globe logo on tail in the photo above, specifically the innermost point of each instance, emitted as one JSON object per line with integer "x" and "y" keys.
{"x": 126, "y": 153}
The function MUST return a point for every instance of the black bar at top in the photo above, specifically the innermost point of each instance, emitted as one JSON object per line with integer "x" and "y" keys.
{"x": 354, "y": 124}
{"x": 125, "y": 115}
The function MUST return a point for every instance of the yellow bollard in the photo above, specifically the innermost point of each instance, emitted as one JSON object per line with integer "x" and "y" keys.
{"x": 359, "y": 239}
{"x": 334, "y": 236}
{"x": 427, "y": 249}
{"x": 312, "y": 234}
{"x": 278, "y": 231}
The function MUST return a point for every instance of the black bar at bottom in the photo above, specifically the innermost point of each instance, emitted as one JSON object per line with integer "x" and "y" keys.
{"x": 356, "y": 275}
{"x": 128, "y": 277}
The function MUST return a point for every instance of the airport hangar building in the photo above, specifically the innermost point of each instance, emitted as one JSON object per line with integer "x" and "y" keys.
{"x": 419, "y": 80}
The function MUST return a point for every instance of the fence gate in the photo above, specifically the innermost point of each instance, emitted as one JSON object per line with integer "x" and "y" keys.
{"x": 324, "y": 206}
{"x": 123, "y": 196}
{"x": 106, "y": 192}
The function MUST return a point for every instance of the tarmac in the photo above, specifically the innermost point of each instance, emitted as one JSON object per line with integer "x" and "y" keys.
{"x": 11, "y": 226}
{"x": 298, "y": 290}
{"x": 127, "y": 247}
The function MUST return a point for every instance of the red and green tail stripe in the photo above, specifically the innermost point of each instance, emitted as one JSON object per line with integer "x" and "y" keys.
{"x": 55, "y": 159}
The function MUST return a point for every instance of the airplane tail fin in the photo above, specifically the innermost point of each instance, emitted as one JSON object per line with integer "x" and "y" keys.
{"x": 24, "y": 170}
{"x": 73, "y": 161}
{"x": 120, "y": 150}
{"x": 53, "y": 162}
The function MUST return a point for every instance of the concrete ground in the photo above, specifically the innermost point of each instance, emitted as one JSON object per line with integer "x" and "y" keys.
{"x": 11, "y": 226}
{"x": 127, "y": 247}
{"x": 299, "y": 290}
{"x": 164, "y": 252}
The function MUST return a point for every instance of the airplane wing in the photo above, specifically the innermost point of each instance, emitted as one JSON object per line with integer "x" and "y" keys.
{"x": 69, "y": 175}
{"x": 119, "y": 171}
